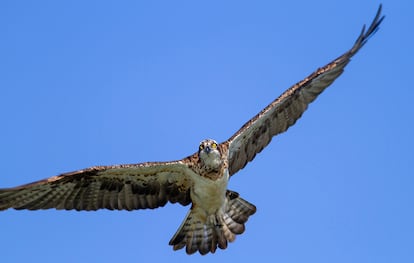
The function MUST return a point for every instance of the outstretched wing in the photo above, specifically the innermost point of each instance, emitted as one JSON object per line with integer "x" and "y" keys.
{"x": 120, "y": 187}
{"x": 283, "y": 112}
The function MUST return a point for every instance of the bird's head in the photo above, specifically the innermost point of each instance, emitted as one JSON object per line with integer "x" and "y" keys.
{"x": 209, "y": 154}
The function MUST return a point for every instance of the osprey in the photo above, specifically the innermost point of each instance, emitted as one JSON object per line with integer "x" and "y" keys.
{"x": 217, "y": 214}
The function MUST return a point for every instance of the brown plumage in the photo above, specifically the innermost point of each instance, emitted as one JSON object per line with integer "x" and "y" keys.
{"x": 118, "y": 187}
{"x": 217, "y": 214}
{"x": 285, "y": 110}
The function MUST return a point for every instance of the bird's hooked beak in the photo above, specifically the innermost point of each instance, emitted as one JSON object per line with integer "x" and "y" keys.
{"x": 207, "y": 149}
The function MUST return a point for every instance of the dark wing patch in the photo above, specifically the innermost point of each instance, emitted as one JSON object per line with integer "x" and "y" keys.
{"x": 119, "y": 187}
{"x": 284, "y": 111}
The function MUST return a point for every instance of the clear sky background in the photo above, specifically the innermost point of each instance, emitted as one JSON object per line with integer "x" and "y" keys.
{"x": 88, "y": 83}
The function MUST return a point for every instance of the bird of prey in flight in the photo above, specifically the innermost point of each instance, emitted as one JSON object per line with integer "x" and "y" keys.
{"x": 217, "y": 214}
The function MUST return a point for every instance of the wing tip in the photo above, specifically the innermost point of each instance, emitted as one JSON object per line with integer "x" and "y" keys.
{"x": 365, "y": 35}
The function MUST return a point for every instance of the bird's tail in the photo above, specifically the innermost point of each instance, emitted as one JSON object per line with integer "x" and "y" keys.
{"x": 204, "y": 233}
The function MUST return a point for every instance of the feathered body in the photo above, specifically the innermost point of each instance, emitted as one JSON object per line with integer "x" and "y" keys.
{"x": 217, "y": 214}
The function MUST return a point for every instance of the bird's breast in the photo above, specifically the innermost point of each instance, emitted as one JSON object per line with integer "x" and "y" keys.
{"x": 209, "y": 194}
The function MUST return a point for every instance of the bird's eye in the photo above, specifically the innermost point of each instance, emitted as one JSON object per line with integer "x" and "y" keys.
{"x": 201, "y": 147}
{"x": 214, "y": 145}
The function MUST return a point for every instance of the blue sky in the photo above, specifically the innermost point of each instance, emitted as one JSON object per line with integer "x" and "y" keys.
{"x": 96, "y": 83}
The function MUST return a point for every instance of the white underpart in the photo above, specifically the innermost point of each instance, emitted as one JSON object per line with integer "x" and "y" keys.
{"x": 209, "y": 195}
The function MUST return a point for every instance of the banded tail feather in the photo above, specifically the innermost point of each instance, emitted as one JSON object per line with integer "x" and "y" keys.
{"x": 204, "y": 233}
